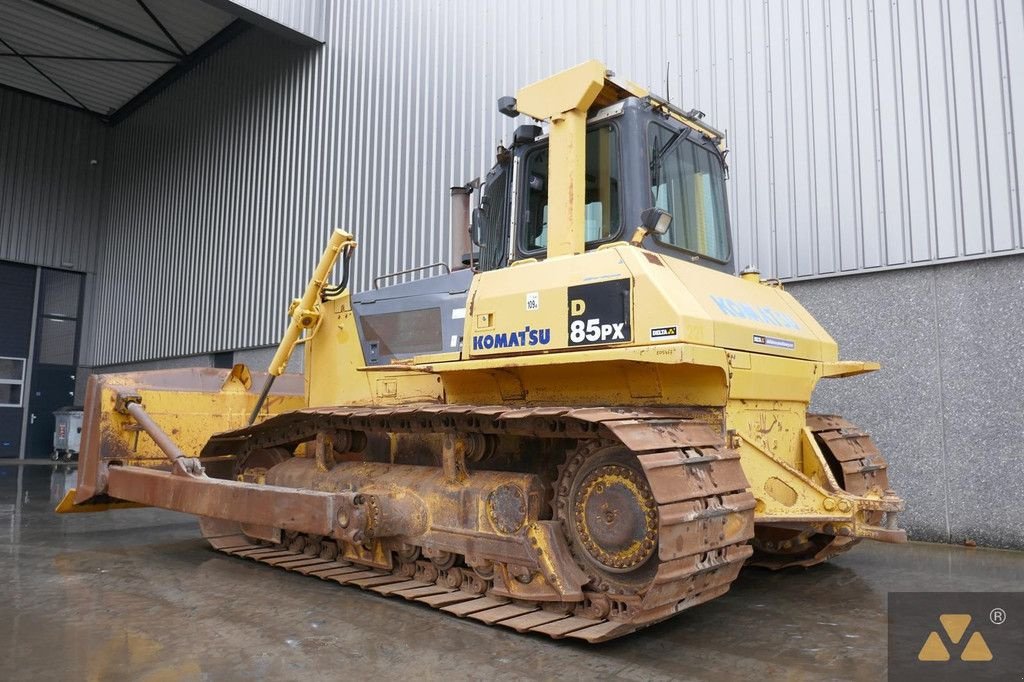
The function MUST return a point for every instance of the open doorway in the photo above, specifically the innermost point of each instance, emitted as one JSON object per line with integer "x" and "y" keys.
{"x": 40, "y": 331}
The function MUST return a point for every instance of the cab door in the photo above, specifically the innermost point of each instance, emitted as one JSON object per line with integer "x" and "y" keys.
{"x": 491, "y": 219}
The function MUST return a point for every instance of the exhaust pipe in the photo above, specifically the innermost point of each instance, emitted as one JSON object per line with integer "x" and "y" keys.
{"x": 462, "y": 244}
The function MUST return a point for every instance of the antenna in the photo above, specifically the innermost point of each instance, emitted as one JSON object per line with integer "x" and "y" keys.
{"x": 668, "y": 96}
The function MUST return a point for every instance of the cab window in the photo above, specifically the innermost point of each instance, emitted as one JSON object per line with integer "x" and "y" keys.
{"x": 601, "y": 215}
{"x": 688, "y": 181}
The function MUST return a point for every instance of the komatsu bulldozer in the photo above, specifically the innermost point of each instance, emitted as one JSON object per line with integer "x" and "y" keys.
{"x": 586, "y": 425}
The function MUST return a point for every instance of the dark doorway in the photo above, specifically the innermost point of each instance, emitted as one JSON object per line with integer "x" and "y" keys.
{"x": 17, "y": 293}
{"x": 56, "y": 356}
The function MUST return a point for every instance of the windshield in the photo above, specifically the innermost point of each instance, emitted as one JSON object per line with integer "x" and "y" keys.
{"x": 687, "y": 181}
{"x": 601, "y": 211}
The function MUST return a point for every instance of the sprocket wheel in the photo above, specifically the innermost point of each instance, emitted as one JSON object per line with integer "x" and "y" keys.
{"x": 609, "y": 517}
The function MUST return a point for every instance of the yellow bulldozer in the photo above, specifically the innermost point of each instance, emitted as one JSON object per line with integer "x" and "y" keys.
{"x": 586, "y": 425}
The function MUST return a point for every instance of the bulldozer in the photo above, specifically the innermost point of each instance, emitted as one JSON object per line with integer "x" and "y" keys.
{"x": 587, "y": 423}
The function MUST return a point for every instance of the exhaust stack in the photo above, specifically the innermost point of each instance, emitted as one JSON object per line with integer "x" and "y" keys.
{"x": 461, "y": 242}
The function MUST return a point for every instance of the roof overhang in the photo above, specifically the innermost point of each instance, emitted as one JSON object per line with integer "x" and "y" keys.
{"x": 107, "y": 57}
{"x": 301, "y": 21}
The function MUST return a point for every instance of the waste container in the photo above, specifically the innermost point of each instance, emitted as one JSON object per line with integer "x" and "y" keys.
{"x": 67, "y": 434}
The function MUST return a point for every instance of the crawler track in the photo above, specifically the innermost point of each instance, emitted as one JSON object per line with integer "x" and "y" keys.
{"x": 701, "y": 509}
{"x": 857, "y": 466}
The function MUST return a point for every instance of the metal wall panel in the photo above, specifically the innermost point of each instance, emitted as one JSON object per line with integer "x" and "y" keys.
{"x": 50, "y": 187}
{"x": 864, "y": 134}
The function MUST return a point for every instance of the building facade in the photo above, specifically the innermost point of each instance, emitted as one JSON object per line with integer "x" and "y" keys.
{"x": 875, "y": 168}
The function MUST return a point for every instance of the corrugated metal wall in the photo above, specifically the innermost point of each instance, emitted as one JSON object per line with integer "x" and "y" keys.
{"x": 863, "y": 135}
{"x": 50, "y": 189}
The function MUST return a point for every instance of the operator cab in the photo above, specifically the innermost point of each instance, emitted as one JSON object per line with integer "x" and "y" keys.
{"x": 638, "y": 156}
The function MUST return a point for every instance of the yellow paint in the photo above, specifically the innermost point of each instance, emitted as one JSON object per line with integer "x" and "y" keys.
{"x": 305, "y": 312}
{"x": 563, "y": 100}
{"x": 67, "y": 505}
{"x": 336, "y": 375}
{"x": 848, "y": 368}
{"x": 190, "y": 405}
{"x": 712, "y": 362}
{"x": 976, "y": 649}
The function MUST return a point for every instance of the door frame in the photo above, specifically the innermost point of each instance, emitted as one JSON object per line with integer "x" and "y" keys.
{"x": 30, "y": 363}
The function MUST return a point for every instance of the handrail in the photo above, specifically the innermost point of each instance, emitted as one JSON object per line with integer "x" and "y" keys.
{"x": 376, "y": 280}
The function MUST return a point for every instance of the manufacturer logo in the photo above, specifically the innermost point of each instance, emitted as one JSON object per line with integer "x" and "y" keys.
{"x": 664, "y": 332}
{"x": 764, "y": 314}
{"x": 599, "y": 313}
{"x": 955, "y": 625}
{"x": 516, "y": 339}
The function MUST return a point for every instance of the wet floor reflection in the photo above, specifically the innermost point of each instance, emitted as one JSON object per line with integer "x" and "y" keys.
{"x": 15, "y": 494}
{"x": 136, "y": 594}
{"x": 63, "y": 478}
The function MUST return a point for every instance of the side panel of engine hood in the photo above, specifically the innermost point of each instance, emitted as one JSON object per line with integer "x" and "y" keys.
{"x": 753, "y": 317}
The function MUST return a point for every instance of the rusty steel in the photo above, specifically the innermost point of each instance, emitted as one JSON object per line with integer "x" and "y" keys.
{"x": 303, "y": 511}
{"x": 418, "y": 505}
{"x": 666, "y": 514}
{"x": 616, "y": 515}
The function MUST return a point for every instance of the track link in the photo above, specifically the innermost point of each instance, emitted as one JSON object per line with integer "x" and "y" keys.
{"x": 518, "y": 615}
{"x": 703, "y": 506}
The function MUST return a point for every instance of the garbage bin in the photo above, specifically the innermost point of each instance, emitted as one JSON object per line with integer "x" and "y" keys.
{"x": 67, "y": 434}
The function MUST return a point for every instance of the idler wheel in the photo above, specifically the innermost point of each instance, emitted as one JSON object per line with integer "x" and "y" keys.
{"x": 610, "y": 517}
{"x": 255, "y": 463}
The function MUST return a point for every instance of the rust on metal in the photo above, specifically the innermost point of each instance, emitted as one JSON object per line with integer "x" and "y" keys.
{"x": 642, "y": 527}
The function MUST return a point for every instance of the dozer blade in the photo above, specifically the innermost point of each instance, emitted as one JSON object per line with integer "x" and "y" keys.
{"x": 190, "y": 405}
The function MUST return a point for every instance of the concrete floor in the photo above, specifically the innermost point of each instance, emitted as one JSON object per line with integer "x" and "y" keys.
{"x": 137, "y": 595}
